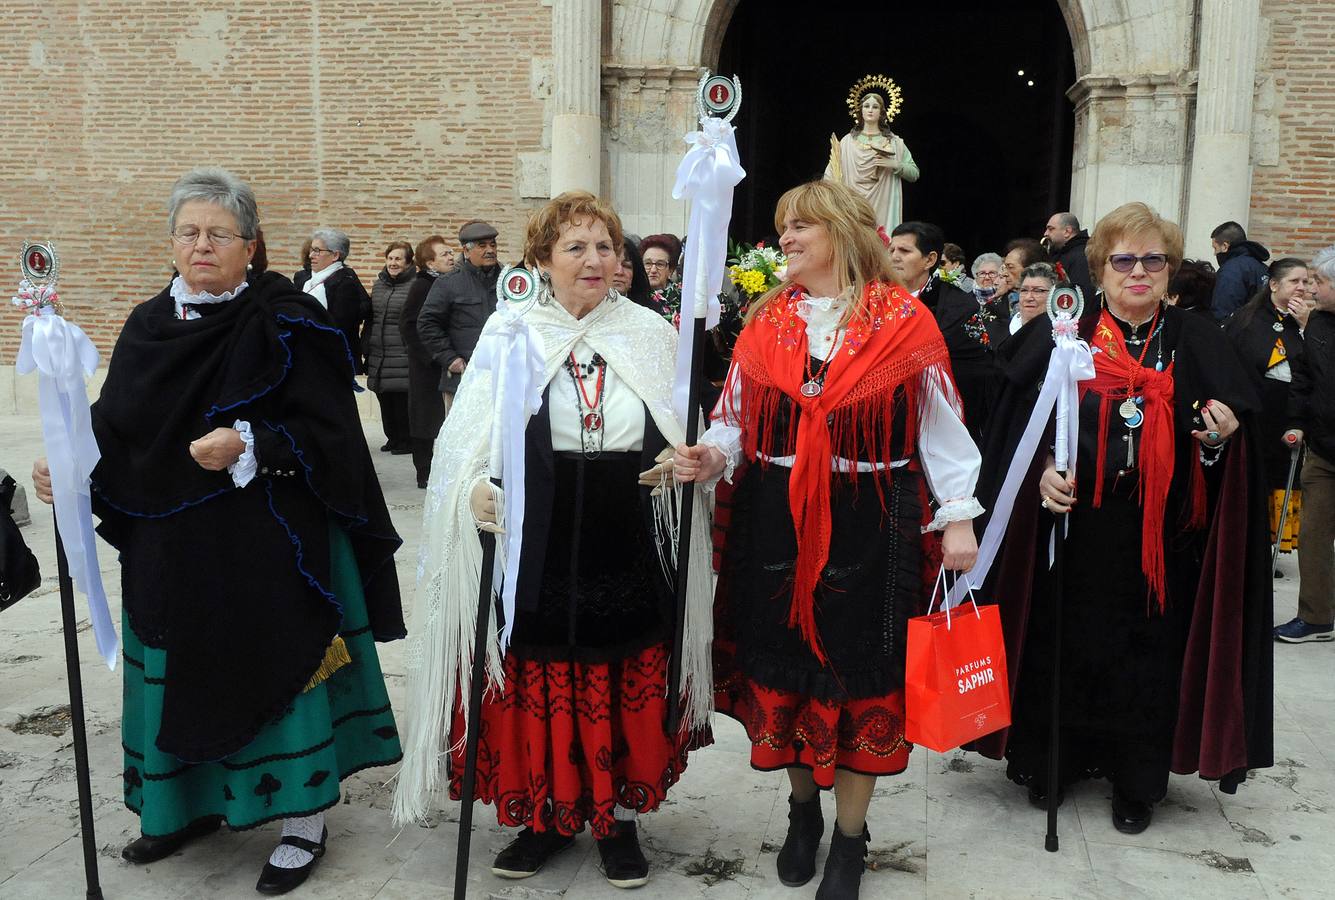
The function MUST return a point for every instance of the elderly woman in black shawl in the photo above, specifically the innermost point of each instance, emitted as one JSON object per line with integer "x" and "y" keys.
{"x": 1165, "y": 655}
{"x": 256, "y": 550}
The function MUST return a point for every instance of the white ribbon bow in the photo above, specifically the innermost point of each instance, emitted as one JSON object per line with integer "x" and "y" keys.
{"x": 513, "y": 355}
{"x": 706, "y": 176}
{"x": 62, "y": 356}
{"x": 1070, "y": 363}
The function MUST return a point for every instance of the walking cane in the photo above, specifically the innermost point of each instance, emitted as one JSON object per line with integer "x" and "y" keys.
{"x": 1065, "y": 305}
{"x": 476, "y": 685}
{"x": 707, "y": 175}
{"x": 63, "y": 356}
{"x": 1292, "y": 440}
{"x": 684, "y": 539}
{"x": 76, "y": 719}
{"x": 514, "y": 288}
{"x": 1050, "y": 841}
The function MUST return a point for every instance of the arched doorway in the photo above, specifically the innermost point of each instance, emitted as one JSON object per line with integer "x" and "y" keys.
{"x": 994, "y": 146}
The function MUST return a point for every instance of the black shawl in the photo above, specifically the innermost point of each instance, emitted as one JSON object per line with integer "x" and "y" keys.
{"x": 1226, "y": 703}
{"x": 235, "y": 583}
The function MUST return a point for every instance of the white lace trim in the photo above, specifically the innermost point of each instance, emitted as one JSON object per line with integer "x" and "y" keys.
{"x": 243, "y": 470}
{"x": 955, "y": 511}
{"x": 183, "y": 295}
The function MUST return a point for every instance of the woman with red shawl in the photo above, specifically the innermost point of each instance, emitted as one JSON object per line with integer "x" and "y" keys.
{"x": 1165, "y": 626}
{"x": 841, "y": 406}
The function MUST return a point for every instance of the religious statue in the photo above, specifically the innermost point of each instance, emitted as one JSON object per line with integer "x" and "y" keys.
{"x": 871, "y": 158}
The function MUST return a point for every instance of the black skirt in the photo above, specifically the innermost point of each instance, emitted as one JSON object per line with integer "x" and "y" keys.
{"x": 602, "y": 595}
{"x": 871, "y": 584}
{"x": 1121, "y": 661}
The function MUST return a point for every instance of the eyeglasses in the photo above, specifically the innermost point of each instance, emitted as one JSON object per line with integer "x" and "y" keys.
{"x": 981, "y": 275}
{"x": 655, "y": 265}
{"x": 1125, "y": 262}
{"x": 316, "y": 250}
{"x": 1041, "y": 291}
{"x": 187, "y": 235}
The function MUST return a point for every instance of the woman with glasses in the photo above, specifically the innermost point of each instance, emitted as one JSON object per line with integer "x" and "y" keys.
{"x": 338, "y": 289}
{"x": 255, "y": 548}
{"x": 660, "y": 253}
{"x": 1036, "y": 283}
{"x": 1165, "y": 650}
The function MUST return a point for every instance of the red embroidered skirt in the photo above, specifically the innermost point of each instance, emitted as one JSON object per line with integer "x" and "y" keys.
{"x": 567, "y": 742}
{"x": 790, "y": 730}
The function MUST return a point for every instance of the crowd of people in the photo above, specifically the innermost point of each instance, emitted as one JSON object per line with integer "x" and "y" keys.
{"x": 868, "y": 413}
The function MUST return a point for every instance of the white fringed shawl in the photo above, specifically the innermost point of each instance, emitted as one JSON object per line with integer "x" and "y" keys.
{"x": 641, "y": 347}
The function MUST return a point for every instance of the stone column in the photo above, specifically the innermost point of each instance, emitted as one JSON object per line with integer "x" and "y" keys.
{"x": 576, "y": 121}
{"x": 1221, "y": 173}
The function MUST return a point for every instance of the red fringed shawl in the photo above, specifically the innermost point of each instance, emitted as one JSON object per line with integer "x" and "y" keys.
{"x": 885, "y": 350}
{"x": 1118, "y": 375}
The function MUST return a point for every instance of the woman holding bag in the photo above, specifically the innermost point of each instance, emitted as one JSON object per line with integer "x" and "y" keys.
{"x": 841, "y": 405}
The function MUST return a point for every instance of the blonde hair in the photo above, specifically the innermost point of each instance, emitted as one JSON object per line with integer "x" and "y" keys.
{"x": 1131, "y": 220}
{"x": 544, "y": 225}
{"x": 859, "y": 254}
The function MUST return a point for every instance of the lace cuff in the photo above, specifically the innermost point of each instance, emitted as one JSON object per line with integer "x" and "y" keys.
{"x": 726, "y": 439}
{"x": 960, "y": 510}
{"x": 243, "y": 470}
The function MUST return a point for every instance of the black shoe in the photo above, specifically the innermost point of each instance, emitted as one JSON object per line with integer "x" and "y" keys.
{"x": 421, "y": 484}
{"x": 1038, "y": 793}
{"x": 624, "y": 865}
{"x": 400, "y": 450}
{"x": 144, "y": 849}
{"x": 529, "y": 852}
{"x": 844, "y": 866}
{"x": 1130, "y": 816}
{"x": 274, "y": 880}
{"x": 797, "y": 856}
{"x": 385, "y": 448}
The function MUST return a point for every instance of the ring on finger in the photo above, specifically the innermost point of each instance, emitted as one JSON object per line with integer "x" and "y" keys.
{"x": 1212, "y": 435}
{"x": 1044, "y": 503}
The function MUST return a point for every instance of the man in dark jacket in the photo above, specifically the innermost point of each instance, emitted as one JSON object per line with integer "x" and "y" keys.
{"x": 915, "y": 250}
{"x": 1066, "y": 246}
{"x": 1242, "y": 269}
{"x": 1312, "y": 422}
{"x": 458, "y": 305}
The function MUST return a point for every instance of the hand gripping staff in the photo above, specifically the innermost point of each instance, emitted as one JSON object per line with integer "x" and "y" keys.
{"x": 512, "y": 355}
{"x": 1069, "y": 363}
{"x": 706, "y": 176}
{"x": 62, "y": 356}
{"x": 1295, "y": 452}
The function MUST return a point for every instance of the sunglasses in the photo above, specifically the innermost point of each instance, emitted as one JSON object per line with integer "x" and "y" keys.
{"x": 1125, "y": 262}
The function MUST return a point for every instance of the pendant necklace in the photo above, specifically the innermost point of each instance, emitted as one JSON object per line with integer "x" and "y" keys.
{"x": 1132, "y": 415}
{"x": 1279, "y": 321}
{"x": 590, "y": 410}
{"x": 814, "y": 384}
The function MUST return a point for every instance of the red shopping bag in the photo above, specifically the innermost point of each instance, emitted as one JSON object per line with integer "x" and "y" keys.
{"x": 955, "y": 678}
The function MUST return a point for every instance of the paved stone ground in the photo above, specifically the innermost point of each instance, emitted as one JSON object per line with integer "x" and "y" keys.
{"x": 951, "y": 826}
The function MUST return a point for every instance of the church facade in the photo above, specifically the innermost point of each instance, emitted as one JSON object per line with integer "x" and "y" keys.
{"x": 401, "y": 118}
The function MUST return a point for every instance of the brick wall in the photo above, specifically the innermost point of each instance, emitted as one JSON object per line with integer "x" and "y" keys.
{"x": 1293, "y": 197}
{"x": 375, "y": 118}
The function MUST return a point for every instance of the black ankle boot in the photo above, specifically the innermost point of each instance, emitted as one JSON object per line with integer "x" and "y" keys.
{"x": 844, "y": 866}
{"x": 797, "y": 857}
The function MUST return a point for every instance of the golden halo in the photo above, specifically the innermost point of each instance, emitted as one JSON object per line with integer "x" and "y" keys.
{"x": 880, "y": 84}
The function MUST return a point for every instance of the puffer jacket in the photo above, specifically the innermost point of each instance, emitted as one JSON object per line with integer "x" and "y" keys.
{"x": 386, "y": 354}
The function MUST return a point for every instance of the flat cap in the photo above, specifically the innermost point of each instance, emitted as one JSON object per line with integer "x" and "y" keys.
{"x": 476, "y": 231}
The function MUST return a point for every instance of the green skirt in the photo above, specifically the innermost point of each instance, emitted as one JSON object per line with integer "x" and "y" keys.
{"x": 294, "y": 765}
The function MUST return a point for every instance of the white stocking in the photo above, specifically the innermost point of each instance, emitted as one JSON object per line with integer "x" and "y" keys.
{"x": 286, "y": 856}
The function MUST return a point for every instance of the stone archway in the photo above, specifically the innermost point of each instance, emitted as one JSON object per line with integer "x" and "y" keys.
{"x": 1135, "y": 97}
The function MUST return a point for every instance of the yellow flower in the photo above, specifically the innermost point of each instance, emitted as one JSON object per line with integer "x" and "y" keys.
{"x": 752, "y": 282}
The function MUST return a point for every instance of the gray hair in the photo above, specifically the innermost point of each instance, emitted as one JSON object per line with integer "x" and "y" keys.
{"x": 1041, "y": 270}
{"x": 1324, "y": 262}
{"x": 1068, "y": 220}
{"x": 221, "y": 188}
{"x": 333, "y": 240}
{"x": 985, "y": 258}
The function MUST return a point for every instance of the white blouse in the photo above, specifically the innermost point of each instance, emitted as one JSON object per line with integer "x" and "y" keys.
{"x": 622, "y": 409}
{"x": 950, "y": 460}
